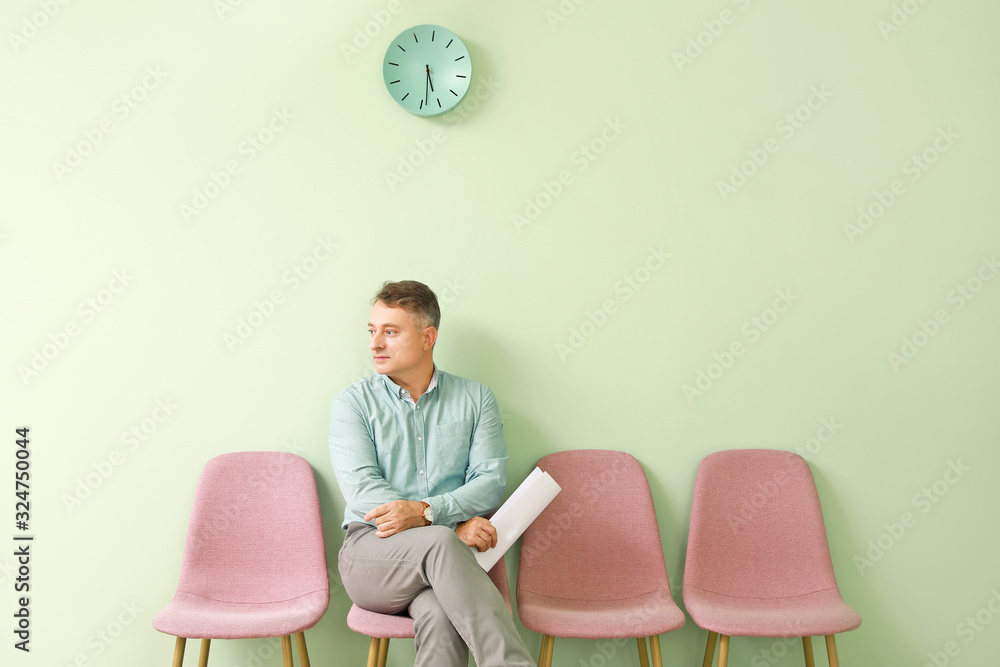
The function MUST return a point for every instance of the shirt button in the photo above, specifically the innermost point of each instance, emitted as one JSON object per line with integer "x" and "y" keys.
{"x": 421, "y": 472}
{"x": 420, "y": 437}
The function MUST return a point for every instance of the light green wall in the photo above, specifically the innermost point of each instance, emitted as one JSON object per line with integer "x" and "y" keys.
{"x": 513, "y": 293}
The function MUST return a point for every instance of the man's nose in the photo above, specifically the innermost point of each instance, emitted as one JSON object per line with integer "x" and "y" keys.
{"x": 376, "y": 341}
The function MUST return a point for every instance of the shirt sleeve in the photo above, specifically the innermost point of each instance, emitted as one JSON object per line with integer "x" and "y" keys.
{"x": 355, "y": 464}
{"x": 486, "y": 475}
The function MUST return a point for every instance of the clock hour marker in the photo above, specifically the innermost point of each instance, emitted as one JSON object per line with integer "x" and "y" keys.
{"x": 432, "y": 34}
{"x": 395, "y": 64}
{"x": 459, "y": 58}
{"x": 461, "y": 76}
{"x": 421, "y": 104}
{"x": 401, "y": 48}
{"x": 453, "y": 92}
{"x": 439, "y": 102}
{"x": 392, "y": 82}
{"x": 449, "y": 43}
{"x": 415, "y": 38}
{"x": 404, "y": 97}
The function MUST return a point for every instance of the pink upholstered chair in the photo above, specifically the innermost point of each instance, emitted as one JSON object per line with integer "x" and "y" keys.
{"x": 254, "y": 560}
{"x": 383, "y": 627}
{"x": 758, "y": 563}
{"x": 592, "y": 563}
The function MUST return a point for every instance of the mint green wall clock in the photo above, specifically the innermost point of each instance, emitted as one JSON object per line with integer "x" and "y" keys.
{"x": 427, "y": 70}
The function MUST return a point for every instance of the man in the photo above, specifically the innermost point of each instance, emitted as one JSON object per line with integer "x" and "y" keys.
{"x": 420, "y": 458}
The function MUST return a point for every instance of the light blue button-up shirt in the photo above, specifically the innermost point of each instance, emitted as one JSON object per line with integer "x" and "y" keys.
{"x": 447, "y": 449}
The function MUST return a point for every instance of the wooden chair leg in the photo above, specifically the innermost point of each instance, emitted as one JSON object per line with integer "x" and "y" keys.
{"x": 641, "y": 643}
{"x": 713, "y": 638}
{"x": 723, "y": 650}
{"x": 831, "y": 651}
{"x": 286, "y": 651}
{"x": 807, "y": 649}
{"x": 300, "y": 640}
{"x": 654, "y": 649}
{"x": 545, "y": 655}
{"x": 383, "y": 651}
{"x": 203, "y": 657}
{"x": 179, "y": 651}
{"x": 373, "y": 652}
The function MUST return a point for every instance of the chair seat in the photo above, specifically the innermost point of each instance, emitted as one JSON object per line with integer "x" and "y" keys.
{"x": 382, "y": 626}
{"x": 814, "y": 614}
{"x": 197, "y": 617}
{"x": 641, "y": 616}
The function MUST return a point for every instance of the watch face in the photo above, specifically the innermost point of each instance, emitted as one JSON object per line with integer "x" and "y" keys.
{"x": 427, "y": 70}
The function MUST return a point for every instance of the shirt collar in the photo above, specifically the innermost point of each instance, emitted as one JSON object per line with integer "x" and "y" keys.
{"x": 401, "y": 393}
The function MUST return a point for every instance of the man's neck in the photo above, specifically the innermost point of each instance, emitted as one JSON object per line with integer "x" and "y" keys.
{"x": 415, "y": 383}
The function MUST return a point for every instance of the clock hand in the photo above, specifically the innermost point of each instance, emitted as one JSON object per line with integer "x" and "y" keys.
{"x": 427, "y": 82}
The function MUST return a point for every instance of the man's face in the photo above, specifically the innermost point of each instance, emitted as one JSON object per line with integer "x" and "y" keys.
{"x": 396, "y": 343}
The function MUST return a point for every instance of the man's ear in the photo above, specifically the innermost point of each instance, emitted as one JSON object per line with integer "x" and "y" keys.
{"x": 430, "y": 337}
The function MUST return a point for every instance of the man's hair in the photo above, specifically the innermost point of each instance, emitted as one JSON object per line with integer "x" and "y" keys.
{"x": 415, "y": 298}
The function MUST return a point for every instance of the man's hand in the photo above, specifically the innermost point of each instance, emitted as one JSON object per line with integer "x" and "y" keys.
{"x": 477, "y": 532}
{"x": 397, "y": 515}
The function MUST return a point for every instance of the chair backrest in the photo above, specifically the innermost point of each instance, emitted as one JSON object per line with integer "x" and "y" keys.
{"x": 498, "y": 574}
{"x": 598, "y": 540}
{"x": 255, "y": 533}
{"x": 756, "y": 527}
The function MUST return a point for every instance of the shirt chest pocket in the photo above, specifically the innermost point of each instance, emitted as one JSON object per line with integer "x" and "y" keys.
{"x": 453, "y": 441}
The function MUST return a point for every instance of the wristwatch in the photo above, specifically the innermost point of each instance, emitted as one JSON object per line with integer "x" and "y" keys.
{"x": 428, "y": 512}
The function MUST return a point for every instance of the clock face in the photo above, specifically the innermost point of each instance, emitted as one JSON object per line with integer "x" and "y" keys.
{"x": 427, "y": 70}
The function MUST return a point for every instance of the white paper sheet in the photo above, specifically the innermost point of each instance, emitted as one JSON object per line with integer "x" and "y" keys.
{"x": 516, "y": 514}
